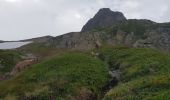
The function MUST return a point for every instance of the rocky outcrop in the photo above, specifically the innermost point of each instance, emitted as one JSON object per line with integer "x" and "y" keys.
{"x": 158, "y": 38}
{"x": 105, "y": 17}
{"x": 81, "y": 41}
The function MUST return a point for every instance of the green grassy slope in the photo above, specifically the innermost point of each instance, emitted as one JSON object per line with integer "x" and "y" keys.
{"x": 66, "y": 77}
{"x": 8, "y": 59}
{"x": 145, "y": 73}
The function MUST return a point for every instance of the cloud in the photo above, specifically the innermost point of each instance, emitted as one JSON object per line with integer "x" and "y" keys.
{"x": 20, "y": 19}
{"x": 11, "y": 1}
{"x": 146, "y": 9}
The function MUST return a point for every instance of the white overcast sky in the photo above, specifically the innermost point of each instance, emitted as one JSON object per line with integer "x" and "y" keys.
{"x": 22, "y": 19}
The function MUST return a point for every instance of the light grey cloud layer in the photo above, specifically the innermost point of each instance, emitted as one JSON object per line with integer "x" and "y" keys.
{"x": 21, "y": 19}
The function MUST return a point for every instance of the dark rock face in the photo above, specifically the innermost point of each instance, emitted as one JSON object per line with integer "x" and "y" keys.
{"x": 105, "y": 17}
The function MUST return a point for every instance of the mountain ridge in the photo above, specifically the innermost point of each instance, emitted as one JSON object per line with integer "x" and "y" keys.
{"x": 131, "y": 32}
{"x": 128, "y": 32}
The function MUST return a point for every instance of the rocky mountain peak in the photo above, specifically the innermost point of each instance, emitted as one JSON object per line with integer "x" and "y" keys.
{"x": 104, "y": 17}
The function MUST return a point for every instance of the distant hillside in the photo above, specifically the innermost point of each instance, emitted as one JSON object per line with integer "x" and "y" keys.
{"x": 39, "y": 39}
{"x": 112, "y": 28}
{"x": 108, "y": 27}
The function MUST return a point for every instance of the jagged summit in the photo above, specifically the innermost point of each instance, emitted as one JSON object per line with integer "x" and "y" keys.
{"x": 104, "y": 17}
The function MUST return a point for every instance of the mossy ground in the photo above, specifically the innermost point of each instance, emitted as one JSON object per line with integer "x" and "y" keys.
{"x": 8, "y": 59}
{"x": 65, "y": 77}
{"x": 145, "y": 75}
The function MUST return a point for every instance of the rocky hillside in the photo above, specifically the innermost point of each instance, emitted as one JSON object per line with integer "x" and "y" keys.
{"x": 108, "y": 27}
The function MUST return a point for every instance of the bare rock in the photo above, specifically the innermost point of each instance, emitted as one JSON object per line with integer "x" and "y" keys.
{"x": 105, "y": 17}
